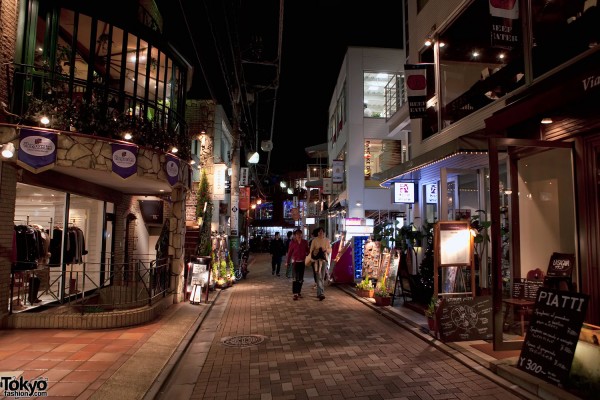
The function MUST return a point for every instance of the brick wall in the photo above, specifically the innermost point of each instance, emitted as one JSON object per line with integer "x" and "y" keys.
{"x": 9, "y": 11}
{"x": 8, "y": 191}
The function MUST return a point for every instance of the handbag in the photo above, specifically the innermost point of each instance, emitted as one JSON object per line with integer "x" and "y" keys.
{"x": 307, "y": 260}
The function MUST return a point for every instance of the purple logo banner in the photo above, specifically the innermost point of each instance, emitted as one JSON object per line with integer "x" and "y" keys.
{"x": 172, "y": 169}
{"x": 124, "y": 159}
{"x": 37, "y": 149}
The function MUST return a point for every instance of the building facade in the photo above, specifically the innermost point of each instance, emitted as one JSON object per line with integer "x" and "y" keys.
{"x": 95, "y": 167}
{"x": 508, "y": 135}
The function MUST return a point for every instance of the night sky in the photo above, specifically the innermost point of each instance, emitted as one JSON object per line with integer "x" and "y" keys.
{"x": 316, "y": 34}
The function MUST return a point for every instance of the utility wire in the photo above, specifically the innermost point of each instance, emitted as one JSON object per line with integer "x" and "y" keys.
{"x": 279, "y": 54}
{"x": 187, "y": 25}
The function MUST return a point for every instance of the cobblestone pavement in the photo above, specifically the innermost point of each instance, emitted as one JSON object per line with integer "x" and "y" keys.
{"x": 258, "y": 343}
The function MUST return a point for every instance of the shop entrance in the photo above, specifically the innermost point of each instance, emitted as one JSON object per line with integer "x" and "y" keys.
{"x": 533, "y": 200}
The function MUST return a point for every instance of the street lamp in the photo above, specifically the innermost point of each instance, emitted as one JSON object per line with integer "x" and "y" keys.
{"x": 253, "y": 157}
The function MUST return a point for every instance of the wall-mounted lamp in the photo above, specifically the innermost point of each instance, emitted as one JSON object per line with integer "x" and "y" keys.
{"x": 127, "y": 136}
{"x": 546, "y": 121}
{"x": 282, "y": 184}
{"x": 8, "y": 150}
{"x": 358, "y": 204}
{"x": 253, "y": 157}
{"x": 428, "y": 42}
{"x": 290, "y": 191}
{"x": 174, "y": 150}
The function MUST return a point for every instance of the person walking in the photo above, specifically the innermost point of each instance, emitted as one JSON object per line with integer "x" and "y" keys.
{"x": 296, "y": 254}
{"x": 320, "y": 250}
{"x": 277, "y": 250}
{"x": 286, "y": 242}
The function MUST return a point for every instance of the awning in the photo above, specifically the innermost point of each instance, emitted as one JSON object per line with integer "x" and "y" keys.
{"x": 473, "y": 143}
{"x": 317, "y": 183}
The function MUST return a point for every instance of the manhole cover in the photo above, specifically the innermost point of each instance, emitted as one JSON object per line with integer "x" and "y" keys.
{"x": 242, "y": 341}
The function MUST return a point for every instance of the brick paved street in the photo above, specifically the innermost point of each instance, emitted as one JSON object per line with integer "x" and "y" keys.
{"x": 337, "y": 348}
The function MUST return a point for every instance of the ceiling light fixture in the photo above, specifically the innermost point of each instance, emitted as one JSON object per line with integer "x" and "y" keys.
{"x": 428, "y": 42}
{"x": 8, "y": 150}
{"x": 282, "y": 184}
{"x": 254, "y": 157}
{"x": 546, "y": 120}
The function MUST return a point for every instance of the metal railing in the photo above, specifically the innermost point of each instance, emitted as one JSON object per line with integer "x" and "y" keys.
{"x": 95, "y": 108}
{"x": 88, "y": 288}
{"x": 395, "y": 94}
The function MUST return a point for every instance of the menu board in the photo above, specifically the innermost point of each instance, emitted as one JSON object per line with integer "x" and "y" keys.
{"x": 553, "y": 333}
{"x": 465, "y": 318}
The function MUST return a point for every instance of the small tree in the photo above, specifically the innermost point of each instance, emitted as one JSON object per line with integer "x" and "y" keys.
{"x": 204, "y": 208}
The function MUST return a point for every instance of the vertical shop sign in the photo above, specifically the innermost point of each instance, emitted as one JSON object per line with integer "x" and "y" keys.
{"x": 337, "y": 174}
{"x": 416, "y": 89}
{"x": 244, "y": 198}
{"x": 505, "y": 25}
{"x": 219, "y": 181}
{"x": 431, "y": 194}
{"x": 327, "y": 186}
{"x": 244, "y": 172}
{"x": 37, "y": 150}
{"x": 124, "y": 159}
{"x": 172, "y": 169}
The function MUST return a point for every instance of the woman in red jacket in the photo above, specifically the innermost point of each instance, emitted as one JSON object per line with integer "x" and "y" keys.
{"x": 297, "y": 252}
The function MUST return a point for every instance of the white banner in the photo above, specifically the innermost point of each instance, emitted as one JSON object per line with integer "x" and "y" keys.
{"x": 244, "y": 172}
{"x": 219, "y": 171}
{"x": 337, "y": 174}
{"x": 327, "y": 186}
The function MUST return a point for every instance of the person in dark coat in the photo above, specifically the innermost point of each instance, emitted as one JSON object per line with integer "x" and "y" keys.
{"x": 277, "y": 250}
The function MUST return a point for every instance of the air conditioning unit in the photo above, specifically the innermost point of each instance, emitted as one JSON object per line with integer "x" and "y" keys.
{"x": 266, "y": 145}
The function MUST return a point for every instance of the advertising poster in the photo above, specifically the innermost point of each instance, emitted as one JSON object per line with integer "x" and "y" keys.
{"x": 37, "y": 150}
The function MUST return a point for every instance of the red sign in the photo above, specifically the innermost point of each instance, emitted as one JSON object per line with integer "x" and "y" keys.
{"x": 244, "y": 202}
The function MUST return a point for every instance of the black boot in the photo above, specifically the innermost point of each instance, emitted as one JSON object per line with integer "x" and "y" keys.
{"x": 34, "y": 287}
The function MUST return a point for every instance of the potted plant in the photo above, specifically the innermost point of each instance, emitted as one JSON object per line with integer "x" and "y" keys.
{"x": 382, "y": 296}
{"x": 430, "y": 314}
{"x": 365, "y": 288}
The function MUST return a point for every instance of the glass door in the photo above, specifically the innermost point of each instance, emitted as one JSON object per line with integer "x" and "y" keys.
{"x": 535, "y": 213}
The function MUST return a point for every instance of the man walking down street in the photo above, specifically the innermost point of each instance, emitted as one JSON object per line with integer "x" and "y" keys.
{"x": 297, "y": 254}
{"x": 289, "y": 268}
{"x": 277, "y": 250}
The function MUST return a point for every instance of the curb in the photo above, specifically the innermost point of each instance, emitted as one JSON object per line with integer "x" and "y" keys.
{"x": 169, "y": 366}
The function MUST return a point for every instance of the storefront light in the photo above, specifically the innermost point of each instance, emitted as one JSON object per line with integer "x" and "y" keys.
{"x": 174, "y": 150}
{"x": 45, "y": 120}
{"x": 8, "y": 150}
{"x": 127, "y": 136}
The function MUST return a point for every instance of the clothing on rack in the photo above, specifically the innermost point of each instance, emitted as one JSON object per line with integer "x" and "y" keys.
{"x": 26, "y": 249}
{"x": 74, "y": 246}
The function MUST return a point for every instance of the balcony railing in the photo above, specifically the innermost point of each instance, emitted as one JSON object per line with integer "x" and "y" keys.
{"x": 91, "y": 107}
{"x": 395, "y": 94}
{"x": 90, "y": 288}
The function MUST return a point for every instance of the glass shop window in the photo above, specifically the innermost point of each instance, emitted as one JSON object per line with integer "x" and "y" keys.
{"x": 480, "y": 59}
{"x": 562, "y": 29}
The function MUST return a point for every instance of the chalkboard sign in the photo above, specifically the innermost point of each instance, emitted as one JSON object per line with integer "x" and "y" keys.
{"x": 553, "y": 333}
{"x": 561, "y": 265}
{"x": 465, "y": 318}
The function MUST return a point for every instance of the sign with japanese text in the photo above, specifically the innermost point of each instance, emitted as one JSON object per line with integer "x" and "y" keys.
{"x": 244, "y": 172}
{"x": 244, "y": 198}
{"x": 219, "y": 171}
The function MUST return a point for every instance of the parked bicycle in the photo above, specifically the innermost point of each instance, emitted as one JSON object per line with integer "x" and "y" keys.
{"x": 243, "y": 257}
